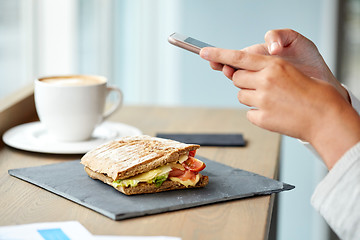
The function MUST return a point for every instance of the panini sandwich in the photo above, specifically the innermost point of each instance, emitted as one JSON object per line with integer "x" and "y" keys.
{"x": 144, "y": 164}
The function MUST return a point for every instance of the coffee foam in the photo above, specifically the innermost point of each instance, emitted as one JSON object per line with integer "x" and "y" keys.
{"x": 73, "y": 81}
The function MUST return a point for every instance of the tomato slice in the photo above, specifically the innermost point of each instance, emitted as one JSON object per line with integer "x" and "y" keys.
{"x": 193, "y": 164}
{"x": 192, "y": 153}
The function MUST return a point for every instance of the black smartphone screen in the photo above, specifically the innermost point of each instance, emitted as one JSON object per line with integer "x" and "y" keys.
{"x": 197, "y": 43}
{"x": 207, "y": 139}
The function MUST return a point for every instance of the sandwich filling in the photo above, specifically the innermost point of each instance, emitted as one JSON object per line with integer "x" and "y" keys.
{"x": 185, "y": 171}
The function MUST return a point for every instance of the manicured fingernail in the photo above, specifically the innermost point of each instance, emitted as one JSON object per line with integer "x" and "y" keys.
{"x": 273, "y": 47}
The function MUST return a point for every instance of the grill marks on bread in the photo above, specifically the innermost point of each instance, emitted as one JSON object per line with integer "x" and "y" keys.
{"x": 130, "y": 156}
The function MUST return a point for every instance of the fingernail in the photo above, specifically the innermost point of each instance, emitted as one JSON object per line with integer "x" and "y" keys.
{"x": 273, "y": 47}
{"x": 204, "y": 53}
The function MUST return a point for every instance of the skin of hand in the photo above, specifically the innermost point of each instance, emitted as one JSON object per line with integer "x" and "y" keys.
{"x": 297, "y": 50}
{"x": 287, "y": 101}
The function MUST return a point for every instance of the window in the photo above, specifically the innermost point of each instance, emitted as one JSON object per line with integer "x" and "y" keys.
{"x": 37, "y": 38}
{"x": 349, "y": 45}
{"x": 16, "y": 45}
{"x": 126, "y": 41}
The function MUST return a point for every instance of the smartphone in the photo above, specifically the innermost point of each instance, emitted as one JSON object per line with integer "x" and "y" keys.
{"x": 188, "y": 43}
{"x": 207, "y": 139}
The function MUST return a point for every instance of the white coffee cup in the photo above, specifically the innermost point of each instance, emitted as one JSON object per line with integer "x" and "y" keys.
{"x": 70, "y": 107}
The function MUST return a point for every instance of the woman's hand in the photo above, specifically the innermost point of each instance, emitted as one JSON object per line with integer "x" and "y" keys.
{"x": 295, "y": 49}
{"x": 287, "y": 101}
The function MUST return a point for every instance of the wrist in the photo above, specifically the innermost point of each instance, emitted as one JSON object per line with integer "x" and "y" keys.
{"x": 337, "y": 134}
{"x": 339, "y": 87}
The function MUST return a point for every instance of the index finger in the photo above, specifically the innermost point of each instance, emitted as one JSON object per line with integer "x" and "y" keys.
{"x": 235, "y": 58}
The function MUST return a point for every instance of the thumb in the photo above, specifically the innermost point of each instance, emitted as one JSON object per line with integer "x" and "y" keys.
{"x": 277, "y": 40}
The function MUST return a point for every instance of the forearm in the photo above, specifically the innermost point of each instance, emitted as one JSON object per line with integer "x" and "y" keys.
{"x": 335, "y": 127}
{"x": 336, "y": 135}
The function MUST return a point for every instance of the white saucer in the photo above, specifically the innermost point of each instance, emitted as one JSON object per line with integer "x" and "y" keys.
{"x": 34, "y": 137}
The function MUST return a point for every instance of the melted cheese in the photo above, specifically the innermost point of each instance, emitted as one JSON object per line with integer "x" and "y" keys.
{"x": 183, "y": 158}
{"x": 188, "y": 182}
{"x": 152, "y": 174}
{"x": 147, "y": 176}
{"x": 143, "y": 177}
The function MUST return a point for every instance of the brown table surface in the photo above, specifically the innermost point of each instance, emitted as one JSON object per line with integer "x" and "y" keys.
{"x": 22, "y": 203}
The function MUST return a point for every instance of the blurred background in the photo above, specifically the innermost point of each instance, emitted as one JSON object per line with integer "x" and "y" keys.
{"x": 126, "y": 41}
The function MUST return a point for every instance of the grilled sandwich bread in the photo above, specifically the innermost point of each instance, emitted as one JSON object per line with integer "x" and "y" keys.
{"x": 144, "y": 164}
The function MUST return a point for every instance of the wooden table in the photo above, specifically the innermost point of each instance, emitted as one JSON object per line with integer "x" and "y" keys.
{"x": 21, "y": 202}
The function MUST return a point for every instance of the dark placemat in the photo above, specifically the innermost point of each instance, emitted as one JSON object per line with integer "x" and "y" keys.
{"x": 70, "y": 181}
{"x": 207, "y": 139}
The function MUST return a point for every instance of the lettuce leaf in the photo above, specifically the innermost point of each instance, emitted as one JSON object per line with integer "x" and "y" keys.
{"x": 158, "y": 181}
{"x": 125, "y": 183}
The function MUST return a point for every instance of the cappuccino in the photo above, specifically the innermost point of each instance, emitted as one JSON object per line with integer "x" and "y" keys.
{"x": 74, "y": 80}
{"x": 70, "y": 107}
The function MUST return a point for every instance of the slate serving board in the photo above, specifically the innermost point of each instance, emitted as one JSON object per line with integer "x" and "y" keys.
{"x": 69, "y": 180}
